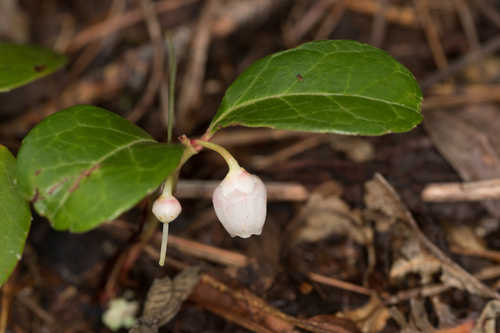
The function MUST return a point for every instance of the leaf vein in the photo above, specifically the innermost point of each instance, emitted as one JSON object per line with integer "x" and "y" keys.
{"x": 96, "y": 162}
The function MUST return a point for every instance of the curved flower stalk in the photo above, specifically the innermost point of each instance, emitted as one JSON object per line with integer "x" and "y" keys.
{"x": 240, "y": 199}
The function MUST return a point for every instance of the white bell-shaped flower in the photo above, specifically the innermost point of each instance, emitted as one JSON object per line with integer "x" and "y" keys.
{"x": 240, "y": 203}
{"x": 166, "y": 208}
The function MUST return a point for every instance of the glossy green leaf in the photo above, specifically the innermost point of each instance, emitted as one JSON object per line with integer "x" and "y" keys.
{"x": 21, "y": 64}
{"x": 15, "y": 216}
{"x": 324, "y": 86}
{"x": 84, "y": 165}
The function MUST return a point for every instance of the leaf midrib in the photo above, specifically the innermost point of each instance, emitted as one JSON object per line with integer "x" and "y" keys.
{"x": 280, "y": 96}
{"x": 93, "y": 164}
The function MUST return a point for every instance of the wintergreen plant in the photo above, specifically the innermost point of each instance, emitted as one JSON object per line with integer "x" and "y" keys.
{"x": 84, "y": 165}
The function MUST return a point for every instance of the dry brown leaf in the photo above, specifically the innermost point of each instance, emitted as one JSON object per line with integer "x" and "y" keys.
{"x": 328, "y": 215}
{"x": 487, "y": 321}
{"x": 465, "y": 237}
{"x": 402, "y": 322}
{"x": 418, "y": 316}
{"x": 443, "y": 312}
{"x": 419, "y": 322}
{"x": 469, "y": 140}
{"x": 380, "y": 197}
{"x": 424, "y": 264}
{"x": 165, "y": 298}
{"x": 371, "y": 317}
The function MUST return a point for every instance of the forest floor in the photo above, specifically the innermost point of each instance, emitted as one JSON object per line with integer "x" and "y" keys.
{"x": 361, "y": 236}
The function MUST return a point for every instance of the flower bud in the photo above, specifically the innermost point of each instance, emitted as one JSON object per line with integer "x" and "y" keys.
{"x": 240, "y": 203}
{"x": 166, "y": 208}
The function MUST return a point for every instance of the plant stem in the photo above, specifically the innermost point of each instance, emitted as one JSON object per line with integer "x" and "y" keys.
{"x": 172, "y": 66}
{"x": 164, "y": 240}
{"x": 230, "y": 160}
{"x": 168, "y": 187}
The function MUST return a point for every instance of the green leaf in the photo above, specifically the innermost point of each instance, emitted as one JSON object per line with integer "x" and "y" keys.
{"x": 324, "y": 86}
{"x": 15, "y": 216}
{"x": 21, "y": 64}
{"x": 84, "y": 165}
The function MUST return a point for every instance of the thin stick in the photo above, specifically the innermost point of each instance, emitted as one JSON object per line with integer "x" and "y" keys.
{"x": 172, "y": 71}
{"x": 487, "y": 254}
{"x": 276, "y": 191}
{"x": 473, "y": 94}
{"x": 340, "y": 284}
{"x": 331, "y": 21}
{"x": 379, "y": 24}
{"x": 208, "y": 252}
{"x": 290, "y": 151}
{"x": 468, "y": 24}
{"x": 466, "y": 277}
{"x": 470, "y": 58}
{"x": 164, "y": 241}
{"x": 431, "y": 33}
{"x": 6, "y": 301}
{"x": 156, "y": 77}
{"x": 468, "y": 191}
{"x": 401, "y": 15}
{"x": 106, "y": 27}
{"x": 307, "y": 21}
{"x": 489, "y": 11}
{"x": 192, "y": 81}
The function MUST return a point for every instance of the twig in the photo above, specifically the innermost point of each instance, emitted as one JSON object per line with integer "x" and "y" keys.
{"x": 157, "y": 71}
{"x": 467, "y": 23}
{"x": 207, "y": 252}
{"x": 6, "y": 302}
{"x": 486, "y": 254}
{"x": 468, "y": 279}
{"x": 473, "y": 94}
{"x": 92, "y": 50}
{"x": 276, "y": 191}
{"x": 431, "y": 33}
{"x": 379, "y": 24}
{"x": 340, "y": 284}
{"x": 331, "y": 21}
{"x": 297, "y": 30}
{"x": 469, "y": 191}
{"x": 235, "y": 259}
{"x": 404, "y": 16}
{"x": 254, "y": 136}
{"x": 426, "y": 291}
{"x": 288, "y": 152}
{"x": 242, "y": 13}
{"x": 172, "y": 75}
{"x": 241, "y": 320}
{"x": 108, "y": 26}
{"x": 487, "y": 49}
{"x": 27, "y": 301}
{"x": 191, "y": 91}
{"x": 489, "y": 11}
{"x": 435, "y": 289}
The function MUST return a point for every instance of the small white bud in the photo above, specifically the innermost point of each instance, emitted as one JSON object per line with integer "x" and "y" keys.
{"x": 240, "y": 203}
{"x": 166, "y": 208}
